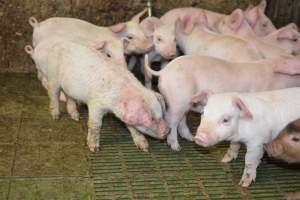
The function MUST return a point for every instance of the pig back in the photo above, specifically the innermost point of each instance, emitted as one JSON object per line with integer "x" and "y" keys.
{"x": 69, "y": 28}
{"x": 82, "y": 71}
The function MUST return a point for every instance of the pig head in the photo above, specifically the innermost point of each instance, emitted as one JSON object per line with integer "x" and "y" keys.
{"x": 286, "y": 146}
{"x": 259, "y": 22}
{"x": 131, "y": 30}
{"x": 144, "y": 113}
{"x": 161, "y": 35}
{"x": 220, "y": 119}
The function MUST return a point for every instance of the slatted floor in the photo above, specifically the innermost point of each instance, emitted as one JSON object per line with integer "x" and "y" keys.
{"x": 62, "y": 167}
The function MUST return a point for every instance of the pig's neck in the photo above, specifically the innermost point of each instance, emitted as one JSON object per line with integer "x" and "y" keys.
{"x": 271, "y": 113}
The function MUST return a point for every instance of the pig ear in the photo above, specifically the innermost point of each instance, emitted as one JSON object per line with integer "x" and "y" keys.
{"x": 252, "y": 16}
{"x": 117, "y": 27}
{"x": 244, "y": 112}
{"x": 201, "y": 97}
{"x": 149, "y": 24}
{"x": 125, "y": 42}
{"x": 137, "y": 17}
{"x": 262, "y": 6}
{"x": 161, "y": 100}
{"x": 202, "y": 18}
{"x": 100, "y": 45}
{"x": 293, "y": 26}
{"x": 289, "y": 66}
{"x": 287, "y": 33}
{"x": 236, "y": 18}
{"x": 179, "y": 26}
{"x": 188, "y": 24}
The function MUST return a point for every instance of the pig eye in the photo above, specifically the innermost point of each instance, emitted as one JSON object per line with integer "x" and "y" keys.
{"x": 265, "y": 25}
{"x": 295, "y": 40}
{"x": 130, "y": 37}
{"x": 226, "y": 120}
{"x": 159, "y": 39}
{"x": 108, "y": 55}
{"x": 296, "y": 139}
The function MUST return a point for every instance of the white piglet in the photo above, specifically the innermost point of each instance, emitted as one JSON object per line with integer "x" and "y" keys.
{"x": 86, "y": 76}
{"x": 253, "y": 119}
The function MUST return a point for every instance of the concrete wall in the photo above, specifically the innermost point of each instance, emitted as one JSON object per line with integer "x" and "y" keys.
{"x": 15, "y": 32}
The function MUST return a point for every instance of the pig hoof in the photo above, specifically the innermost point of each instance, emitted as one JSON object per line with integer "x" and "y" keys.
{"x": 246, "y": 182}
{"x": 75, "y": 116}
{"x": 142, "y": 144}
{"x": 93, "y": 148}
{"x": 227, "y": 158}
{"x": 175, "y": 147}
{"x": 55, "y": 116}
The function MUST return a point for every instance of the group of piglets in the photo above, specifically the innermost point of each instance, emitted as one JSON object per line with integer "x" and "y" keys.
{"x": 237, "y": 70}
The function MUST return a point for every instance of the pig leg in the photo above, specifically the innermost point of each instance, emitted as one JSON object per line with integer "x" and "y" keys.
{"x": 94, "y": 126}
{"x": 53, "y": 93}
{"x": 139, "y": 140}
{"x": 252, "y": 160}
{"x": 293, "y": 195}
{"x": 232, "y": 152}
{"x": 132, "y": 62}
{"x": 173, "y": 120}
{"x": 184, "y": 130}
{"x": 72, "y": 109}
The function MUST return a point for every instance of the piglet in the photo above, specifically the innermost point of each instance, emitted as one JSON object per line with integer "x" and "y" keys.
{"x": 286, "y": 147}
{"x": 194, "y": 37}
{"x": 261, "y": 25}
{"x": 86, "y": 76}
{"x": 253, "y": 119}
{"x": 78, "y": 29}
{"x": 185, "y": 78}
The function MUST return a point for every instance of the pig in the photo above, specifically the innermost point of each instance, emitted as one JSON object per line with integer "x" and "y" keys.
{"x": 237, "y": 25}
{"x": 184, "y": 78}
{"x": 164, "y": 44}
{"x": 261, "y": 24}
{"x": 87, "y": 76}
{"x": 253, "y": 119}
{"x": 202, "y": 41}
{"x": 79, "y": 29}
{"x": 287, "y": 37}
{"x": 40, "y": 56}
{"x": 286, "y": 146}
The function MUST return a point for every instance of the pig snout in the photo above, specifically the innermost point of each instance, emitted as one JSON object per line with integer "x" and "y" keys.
{"x": 162, "y": 128}
{"x": 169, "y": 52}
{"x": 205, "y": 138}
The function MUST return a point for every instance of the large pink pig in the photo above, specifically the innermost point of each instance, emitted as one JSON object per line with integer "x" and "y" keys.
{"x": 85, "y": 75}
{"x": 185, "y": 79}
{"x": 253, "y": 119}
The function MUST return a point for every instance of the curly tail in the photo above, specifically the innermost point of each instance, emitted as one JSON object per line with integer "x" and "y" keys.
{"x": 33, "y": 22}
{"x": 28, "y": 49}
{"x": 147, "y": 69}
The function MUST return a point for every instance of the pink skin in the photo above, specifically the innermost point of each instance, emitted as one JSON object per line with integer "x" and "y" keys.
{"x": 237, "y": 25}
{"x": 253, "y": 119}
{"x": 287, "y": 37}
{"x": 258, "y": 21}
{"x": 261, "y": 24}
{"x": 286, "y": 146}
{"x": 194, "y": 37}
{"x": 186, "y": 77}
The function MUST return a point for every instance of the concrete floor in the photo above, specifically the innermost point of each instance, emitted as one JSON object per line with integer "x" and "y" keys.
{"x": 42, "y": 159}
{"x": 39, "y": 158}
